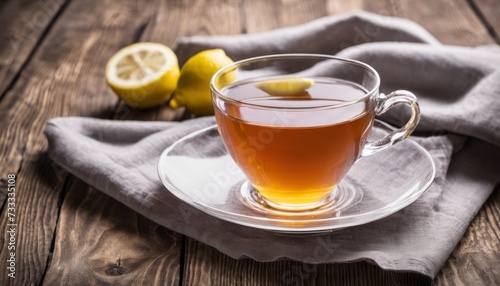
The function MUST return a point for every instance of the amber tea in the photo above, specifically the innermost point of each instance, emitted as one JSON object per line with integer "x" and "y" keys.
{"x": 298, "y": 153}
{"x": 296, "y": 123}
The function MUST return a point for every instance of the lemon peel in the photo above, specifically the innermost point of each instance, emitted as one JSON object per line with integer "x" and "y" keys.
{"x": 285, "y": 86}
{"x": 193, "y": 87}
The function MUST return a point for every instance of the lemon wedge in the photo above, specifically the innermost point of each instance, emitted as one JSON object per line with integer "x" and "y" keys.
{"x": 144, "y": 74}
{"x": 285, "y": 86}
{"x": 193, "y": 88}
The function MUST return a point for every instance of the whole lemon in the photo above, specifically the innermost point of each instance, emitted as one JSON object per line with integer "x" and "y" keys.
{"x": 193, "y": 87}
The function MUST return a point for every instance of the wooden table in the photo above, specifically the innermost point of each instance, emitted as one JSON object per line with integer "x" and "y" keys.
{"x": 52, "y": 61}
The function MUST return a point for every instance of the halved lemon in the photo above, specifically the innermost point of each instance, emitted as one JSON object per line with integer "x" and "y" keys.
{"x": 143, "y": 74}
{"x": 285, "y": 86}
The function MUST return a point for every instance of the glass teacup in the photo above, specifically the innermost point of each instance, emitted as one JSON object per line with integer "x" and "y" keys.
{"x": 296, "y": 123}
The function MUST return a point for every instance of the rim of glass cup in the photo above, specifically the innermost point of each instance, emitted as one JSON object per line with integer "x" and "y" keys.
{"x": 264, "y": 58}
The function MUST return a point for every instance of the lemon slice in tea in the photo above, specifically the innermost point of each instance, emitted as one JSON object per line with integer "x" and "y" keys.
{"x": 143, "y": 74}
{"x": 285, "y": 86}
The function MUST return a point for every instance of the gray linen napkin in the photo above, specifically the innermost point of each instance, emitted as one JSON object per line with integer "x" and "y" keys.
{"x": 459, "y": 92}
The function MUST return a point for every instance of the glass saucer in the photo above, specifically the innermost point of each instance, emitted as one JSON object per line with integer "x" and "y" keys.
{"x": 198, "y": 170}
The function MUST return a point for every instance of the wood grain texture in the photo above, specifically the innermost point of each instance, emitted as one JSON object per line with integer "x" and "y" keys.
{"x": 36, "y": 209}
{"x": 452, "y": 22}
{"x": 476, "y": 258}
{"x": 119, "y": 247}
{"x": 177, "y": 18}
{"x": 23, "y": 23}
{"x": 121, "y": 234}
{"x": 65, "y": 76}
{"x": 100, "y": 241}
{"x": 363, "y": 273}
{"x": 206, "y": 266}
{"x": 262, "y": 15}
{"x": 488, "y": 11}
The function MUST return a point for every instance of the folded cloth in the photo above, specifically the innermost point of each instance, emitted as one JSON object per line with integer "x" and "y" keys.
{"x": 459, "y": 92}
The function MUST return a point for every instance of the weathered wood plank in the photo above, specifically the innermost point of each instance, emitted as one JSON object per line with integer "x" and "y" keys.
{"x": 363, "y": 273}
{"x": 174, "y": 19}
{"x": 207, "y": 266}
{"x": 215, "y": 17}
{"x": 476, "y": 258}
{"x": 178, "y": 18}
{"x": 452, "y": 22}
{"x": 266, "y": 15}
{"x": 489, "y": 10}
{"x": 54, "y": 83}
{"x": 168, "y": 21}
{"x": 204, "y": 265}
{"x": 65, "y": 76}
{"x": 101, "y": 241}
{"x": 23, "y": 24}
{"x": 107, "y": 255}
{"x": 35, "y": 218}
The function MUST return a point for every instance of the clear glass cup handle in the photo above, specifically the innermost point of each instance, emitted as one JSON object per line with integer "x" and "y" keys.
{"x": 384, "y": 103}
